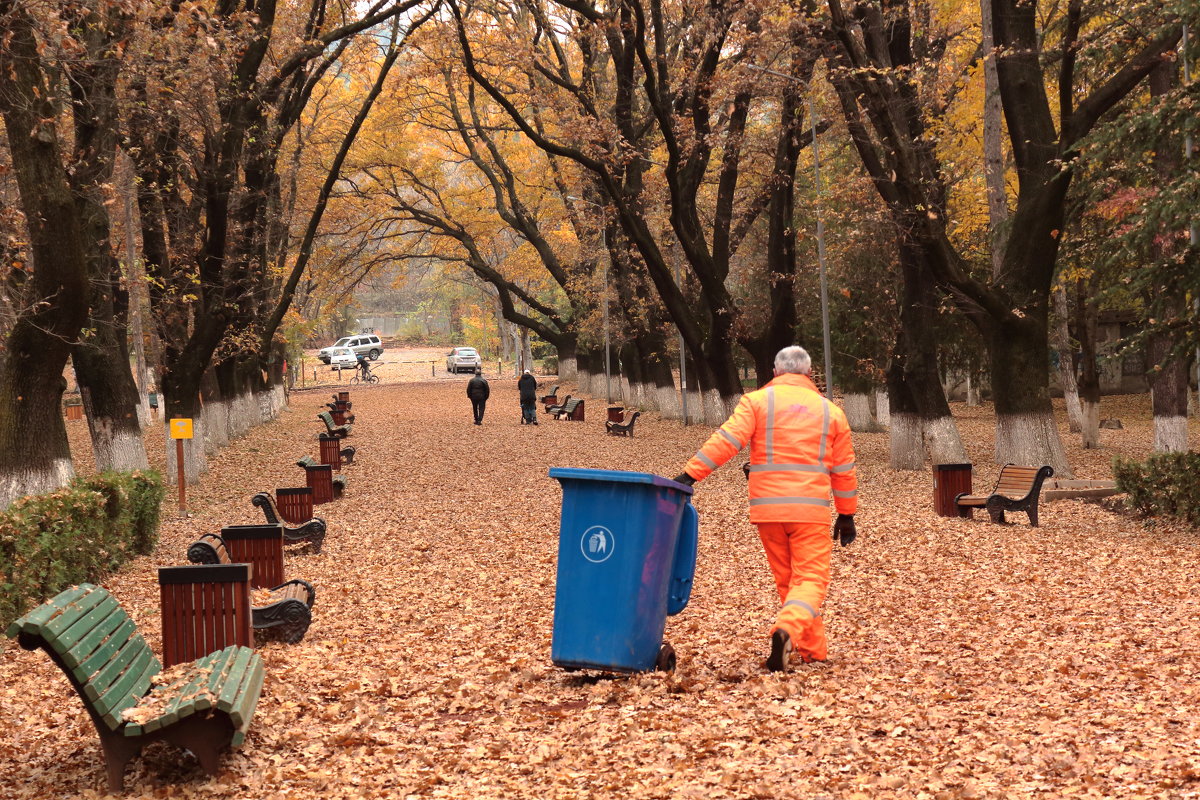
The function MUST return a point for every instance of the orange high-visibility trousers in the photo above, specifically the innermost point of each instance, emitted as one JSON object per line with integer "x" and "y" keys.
{"x": 798, "y": 553}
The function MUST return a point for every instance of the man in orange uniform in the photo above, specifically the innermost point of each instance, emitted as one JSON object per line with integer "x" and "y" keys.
{"x": 800, "y": 452}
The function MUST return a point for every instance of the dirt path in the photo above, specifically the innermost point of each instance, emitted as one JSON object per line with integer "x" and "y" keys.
{"x": 967, "y": 660}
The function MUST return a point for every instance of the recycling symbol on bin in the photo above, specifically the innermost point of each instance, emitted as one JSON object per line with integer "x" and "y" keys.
{"x": 597, "y": 544}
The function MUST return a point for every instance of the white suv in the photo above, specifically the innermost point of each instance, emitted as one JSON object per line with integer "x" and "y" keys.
{"x": 363, "y": 345}
{"x": 463, "y": 358}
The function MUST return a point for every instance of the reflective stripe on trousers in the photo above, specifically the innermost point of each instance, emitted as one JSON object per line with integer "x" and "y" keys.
{"x": 798, "y": 553}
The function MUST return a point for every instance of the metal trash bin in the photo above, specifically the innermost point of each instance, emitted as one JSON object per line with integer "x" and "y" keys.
{"x": 626, "y": 559}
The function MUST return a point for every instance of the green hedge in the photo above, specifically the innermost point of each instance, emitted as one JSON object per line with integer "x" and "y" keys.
{"x": 78, "y": 533}
{"x": 1165, "y": 484}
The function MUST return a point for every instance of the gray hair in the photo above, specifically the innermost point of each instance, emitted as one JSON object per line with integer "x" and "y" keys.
{"x": 793, "y": 359}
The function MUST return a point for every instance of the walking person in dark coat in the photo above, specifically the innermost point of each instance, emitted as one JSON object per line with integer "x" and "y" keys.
{"x": 527, "y": 386}
{"x": 478, "y": 390}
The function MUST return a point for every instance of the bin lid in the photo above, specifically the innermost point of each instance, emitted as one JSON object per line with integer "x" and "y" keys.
{"x": 618, "y": 476}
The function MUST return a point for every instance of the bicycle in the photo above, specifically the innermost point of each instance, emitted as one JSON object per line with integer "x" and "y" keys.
{"x": 364, "y": 374}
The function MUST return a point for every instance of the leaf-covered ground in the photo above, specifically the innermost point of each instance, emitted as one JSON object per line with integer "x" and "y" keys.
{"x": 966, "y": 660}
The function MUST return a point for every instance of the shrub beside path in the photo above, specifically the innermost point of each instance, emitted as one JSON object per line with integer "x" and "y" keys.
{"x": 967, "y": 660}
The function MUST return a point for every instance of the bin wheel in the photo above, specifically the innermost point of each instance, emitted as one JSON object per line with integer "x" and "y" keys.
{"x": 666, "y": 659}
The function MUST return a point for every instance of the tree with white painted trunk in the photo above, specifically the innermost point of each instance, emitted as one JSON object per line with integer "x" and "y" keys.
{"x": 46, "y": 292}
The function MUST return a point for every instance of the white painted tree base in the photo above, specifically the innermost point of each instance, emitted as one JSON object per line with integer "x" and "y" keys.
{"x": 943, "y": 441}
{"x": 906, "y": 443}
{"x": 858, "y": 413}
{"x": 120, "y": 451}
{"x": 882, "y": 407}
{"x": 17, "y": 483}
{"x": 1031, "y": 440}
{"x": 1170, "y": 434}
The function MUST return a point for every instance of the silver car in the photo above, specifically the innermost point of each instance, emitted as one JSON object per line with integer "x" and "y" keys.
{"x": 364, "y": 344}
{"x": 462, "y": 359}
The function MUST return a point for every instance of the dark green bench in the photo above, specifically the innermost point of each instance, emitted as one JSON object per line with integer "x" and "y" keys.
{"x": 311, "y": 531}
{"x": 339, "y": 431}
{"x": 339, "y": 481}
{"x": 206, "y": 704}
{"x": 554, "y": 409}
{"x": 571, "y": 409}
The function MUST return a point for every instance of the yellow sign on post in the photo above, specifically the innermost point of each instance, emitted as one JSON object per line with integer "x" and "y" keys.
{"x": 181, "y": 429}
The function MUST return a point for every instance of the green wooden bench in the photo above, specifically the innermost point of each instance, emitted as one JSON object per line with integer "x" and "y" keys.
{"x": 203, "y": 706}
{"x": 339, "y": 431}
{"x": 571, "y": 409}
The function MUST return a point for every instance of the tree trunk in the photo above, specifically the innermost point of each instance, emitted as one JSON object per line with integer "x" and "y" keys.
{"x": 1088, "y": 367}
{"x": 110, "y": 398}
{"x": 50, "y": 298}
{"x": 567, "y": 364}
{"x": 1026, "y": 433}
{"x": 993, "y": 142}
{"x": 1066, "y": 361}
{"x": 858, "y": 413}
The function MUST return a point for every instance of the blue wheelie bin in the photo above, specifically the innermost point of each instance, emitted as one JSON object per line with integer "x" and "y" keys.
{"x": 626, "y": 557}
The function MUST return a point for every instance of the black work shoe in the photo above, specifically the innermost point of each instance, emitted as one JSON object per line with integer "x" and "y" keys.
{"x": 781, "y": 651}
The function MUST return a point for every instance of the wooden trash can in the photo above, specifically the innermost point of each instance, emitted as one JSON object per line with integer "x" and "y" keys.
{"x": 295, "y": 505}
{"x": 577, "y": 414}
{"x": 319, "y": 478}
{"x": 205, "y": 608}
{"x": 259, "y": 545}
{"x": 549, "y": 400}
{"x": 343, "y": 396}
{"x": 616, "y": 414}
{"x": 339, "y": 417}
{"x": 949, "y": 481}
{"x": 331, "y": 452}
{"x": 75, "y": 411}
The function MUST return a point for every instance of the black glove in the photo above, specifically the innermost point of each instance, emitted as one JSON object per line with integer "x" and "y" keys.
{"x": 844, "y": 530}
{"x": 685, "y": 479}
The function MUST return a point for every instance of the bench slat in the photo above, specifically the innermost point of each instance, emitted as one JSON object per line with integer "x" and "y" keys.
{"x": 32, "y": 622}
{"x": 108, "y": 607}
{"x": 246, "y": 699}
{"x": 232, "y": 679}
{"x": 972, "y": 501}
{"x": 69, "y": 613}
{"x": 181, "y": 691}
{"x": 131, "y": 685}
{"x": 100, "y": 672}
{"x": 90, "y": 662}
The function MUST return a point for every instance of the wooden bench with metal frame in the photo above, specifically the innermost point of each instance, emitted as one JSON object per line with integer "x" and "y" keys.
{"x": 332, "y": 453}
{"x": 288, "y": 612}
{"x": 314, "y": 475}
{"x": 622, "y": 428}
{"x": 311, "y": 531}
{"x": 333, "y": 429}
{"x": 206, "y": 707}
{"x": 571, "y": 409}
{"x": 554, "y": 409}
{"x": 1017, "y": 489}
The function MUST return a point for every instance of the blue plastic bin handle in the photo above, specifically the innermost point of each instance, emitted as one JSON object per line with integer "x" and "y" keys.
{"x": 683, "y": 568}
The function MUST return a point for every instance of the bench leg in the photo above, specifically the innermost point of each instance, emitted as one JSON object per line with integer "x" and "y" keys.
{"x": 1033, "y": 515}
{"x": 997, "y": 515}
{"x": 118, "y": 750}
{"x": 205, "y": 739}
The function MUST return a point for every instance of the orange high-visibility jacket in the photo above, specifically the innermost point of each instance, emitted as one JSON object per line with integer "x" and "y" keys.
{"x": 800, "y": 452}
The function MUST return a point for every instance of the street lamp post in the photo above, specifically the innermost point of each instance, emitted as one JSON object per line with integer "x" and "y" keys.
{"x": 604, "y": 301}
{"x": 812, "y": 116}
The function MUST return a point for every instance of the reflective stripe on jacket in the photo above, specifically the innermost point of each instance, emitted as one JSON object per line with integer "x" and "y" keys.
{"x": 800, "y": 452}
